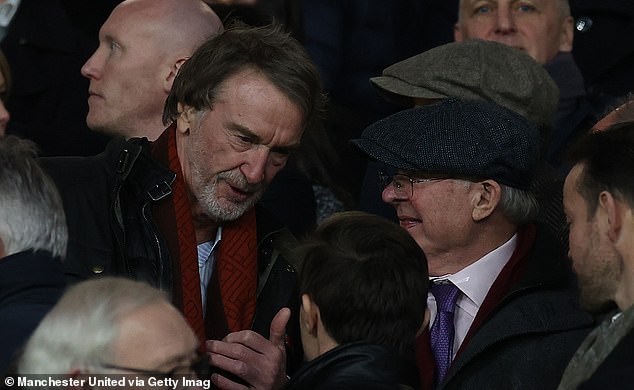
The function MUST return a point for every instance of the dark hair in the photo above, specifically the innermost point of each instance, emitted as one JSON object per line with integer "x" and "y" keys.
{"x": 269, "y": 50}
{"x": 608, "y": 164}
{"x": 369, "y": 278}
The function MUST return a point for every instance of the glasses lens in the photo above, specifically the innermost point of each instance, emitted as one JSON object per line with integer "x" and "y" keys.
{"x": 401, "y": 185}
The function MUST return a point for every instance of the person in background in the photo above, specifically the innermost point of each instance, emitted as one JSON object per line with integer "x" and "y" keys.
{"x": 48, "y": 94}
{"x": 363, "y": 285}
{"x": 142, "y": 46}
{"x": 481, "y": 70}
{"x": 599, "y": 205}
{"x": 33, "y": 240}
{"x": 353, "y": 40}
{"x": 181, "y": 212}
{"x": 133, "y": 69}
{"x": 113, "y": 326}
{"x": 544, "y": 30}
{"x": 503, "y": 297}
{"x": 5, "y": 88}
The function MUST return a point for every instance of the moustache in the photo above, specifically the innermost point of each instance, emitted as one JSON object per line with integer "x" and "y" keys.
{"x": 238, "y": 180}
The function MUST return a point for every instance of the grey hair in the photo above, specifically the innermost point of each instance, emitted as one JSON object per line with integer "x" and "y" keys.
{"x": 79, "y": 332}
{"x": 31, "y": 211}
{"x": 519, "y": 206}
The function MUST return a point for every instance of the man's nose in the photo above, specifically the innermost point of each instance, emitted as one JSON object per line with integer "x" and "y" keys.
{"x": 254, "y": 169}
{"x": 505, "y": 21}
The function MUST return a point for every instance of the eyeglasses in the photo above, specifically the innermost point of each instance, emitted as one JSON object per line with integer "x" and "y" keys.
{"x": 200, "y": 367}
{"x": 403, "y": 185}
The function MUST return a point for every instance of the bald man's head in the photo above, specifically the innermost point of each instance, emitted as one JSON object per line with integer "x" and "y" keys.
{"x": 142, "y": 45}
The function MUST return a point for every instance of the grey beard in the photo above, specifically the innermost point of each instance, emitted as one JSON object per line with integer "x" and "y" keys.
{"x": 225, "y": 210}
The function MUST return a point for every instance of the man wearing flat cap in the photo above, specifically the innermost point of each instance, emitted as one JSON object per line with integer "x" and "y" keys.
{"x": 479, "y": 70}
{"x": 503, "y": 303}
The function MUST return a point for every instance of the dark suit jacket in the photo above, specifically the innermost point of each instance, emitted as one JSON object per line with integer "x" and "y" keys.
{"x": 528, "y": 327}
{"x": 30, "y": 284}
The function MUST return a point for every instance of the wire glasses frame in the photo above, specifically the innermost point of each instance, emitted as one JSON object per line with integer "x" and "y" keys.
{"x": 403, "y": 185}
{"x": 200, "y": 366}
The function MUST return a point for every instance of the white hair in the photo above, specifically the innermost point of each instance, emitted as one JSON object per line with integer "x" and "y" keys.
{"x": 31, "y": 211}
{"x": 519, "y": 206}
{"x": 79, "y": 332}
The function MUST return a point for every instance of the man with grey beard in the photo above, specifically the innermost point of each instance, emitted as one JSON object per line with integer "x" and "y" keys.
{"x": 180, "y": 212}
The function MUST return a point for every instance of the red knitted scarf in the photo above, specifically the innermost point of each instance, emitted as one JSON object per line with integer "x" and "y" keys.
{"x": 236, "y": 263}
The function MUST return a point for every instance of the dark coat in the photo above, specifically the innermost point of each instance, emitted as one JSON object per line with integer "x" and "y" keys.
{"x": 30, "y": 284}
{"x": 575, "y": 113}
{"x": 48, "y": 100}
{"x": 109, "y": 201}
{"x": 354, "y": 366}
{"x": 529, "y": 336}
{"x": 602, "y": 47}
{"x": 351, "y": 41}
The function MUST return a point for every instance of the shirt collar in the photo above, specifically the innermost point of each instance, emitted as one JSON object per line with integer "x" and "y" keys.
{"x": 475, "y": 280}
{"x": 205, "y": 249}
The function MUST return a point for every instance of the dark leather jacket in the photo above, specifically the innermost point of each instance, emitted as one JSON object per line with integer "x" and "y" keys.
{"x": 355, "y": 366}
{"x": 109, "y": 201}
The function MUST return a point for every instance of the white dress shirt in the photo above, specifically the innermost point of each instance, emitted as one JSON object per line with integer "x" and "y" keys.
{"x": 474, "y": 283}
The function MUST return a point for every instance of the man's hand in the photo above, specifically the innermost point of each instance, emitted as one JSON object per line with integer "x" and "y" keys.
{"x": 256, "y": 361}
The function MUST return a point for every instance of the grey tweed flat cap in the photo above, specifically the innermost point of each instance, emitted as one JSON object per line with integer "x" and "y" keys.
{"x": 475, "y": 69}
{"x": 470, "y": 138}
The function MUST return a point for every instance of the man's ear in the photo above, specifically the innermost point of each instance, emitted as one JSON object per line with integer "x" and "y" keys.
{"x": 457, "y": 34}
{"x": 173, "y": 72}
{"x": 187, "y": 117}
{"x": 311, "y": 315}
{"x": 485, "y": 198}
{"x": 567, "y": 34}
{"x": 613, "y": 210}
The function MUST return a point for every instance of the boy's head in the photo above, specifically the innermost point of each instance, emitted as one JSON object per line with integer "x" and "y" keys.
{"x": 363, "y": 278}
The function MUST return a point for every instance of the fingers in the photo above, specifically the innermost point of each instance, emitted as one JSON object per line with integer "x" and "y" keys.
{"x": 248, "y": 357}
{"x": 278, "y": 327}
{"x": 264, "y": 369}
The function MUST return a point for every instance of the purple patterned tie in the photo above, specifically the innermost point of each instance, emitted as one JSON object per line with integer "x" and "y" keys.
{"x": 442, "y": 331}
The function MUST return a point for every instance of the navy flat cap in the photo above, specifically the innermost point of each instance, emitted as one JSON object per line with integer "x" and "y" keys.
{"x": 469, "y": 138}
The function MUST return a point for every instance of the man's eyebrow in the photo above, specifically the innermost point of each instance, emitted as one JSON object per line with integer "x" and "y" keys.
{"x": 245, "y": 131}
{"x": 256, "y": 139}
{"x": 285, "y": 149}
